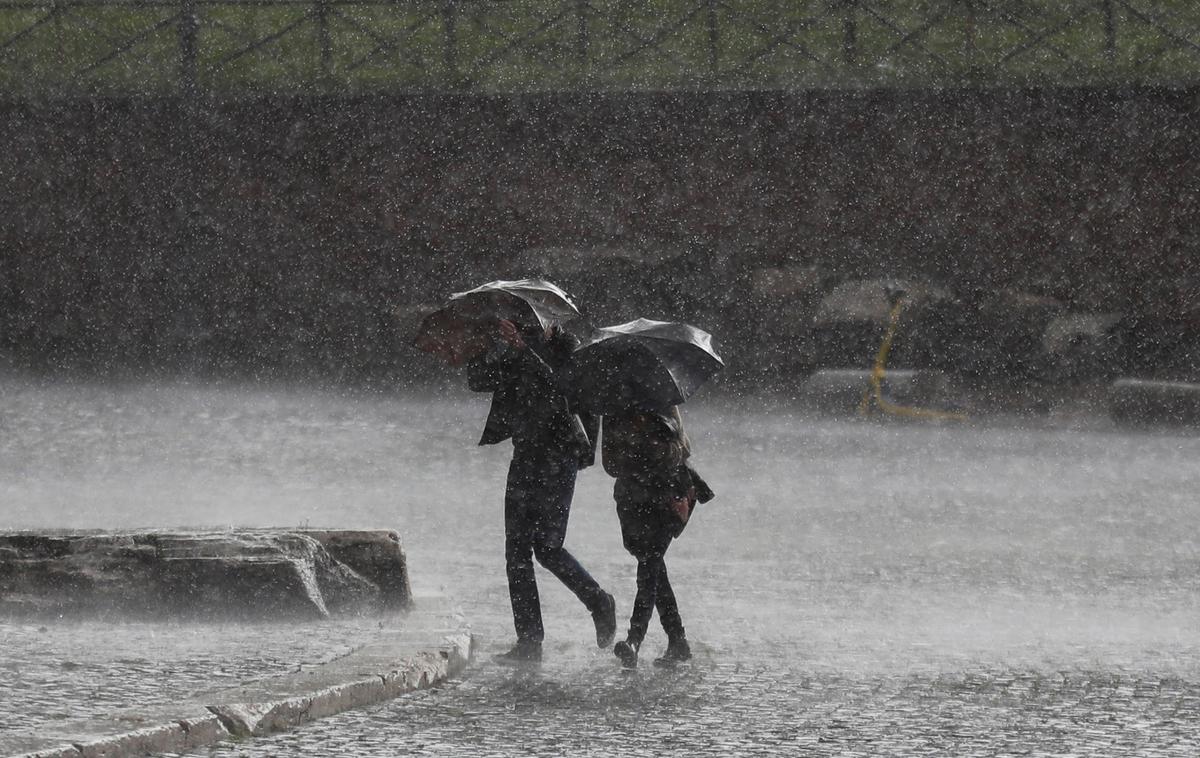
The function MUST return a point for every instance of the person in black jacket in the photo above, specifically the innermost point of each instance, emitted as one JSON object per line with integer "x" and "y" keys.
{"x": 656, "y": 490}
{"x": 550, "y": 445}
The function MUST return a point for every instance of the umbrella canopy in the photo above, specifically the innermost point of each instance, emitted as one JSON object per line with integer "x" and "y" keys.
{"x": 466, "y": 326}
{"x": 644, "y": 364}
{"x": 518, "y": 301}
{"x": 453, "y": 337}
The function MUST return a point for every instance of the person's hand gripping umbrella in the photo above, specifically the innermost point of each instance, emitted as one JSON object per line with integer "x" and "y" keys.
{"x": 469, "y": 324}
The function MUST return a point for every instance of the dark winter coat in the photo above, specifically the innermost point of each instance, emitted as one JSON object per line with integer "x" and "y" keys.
{"x": 647, "y": 454}
{"x": 527, "y": 404}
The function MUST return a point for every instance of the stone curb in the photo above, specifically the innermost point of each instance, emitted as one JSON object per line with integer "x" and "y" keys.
{"x": 372, "y": 674}
{"x": 262, "y": 717}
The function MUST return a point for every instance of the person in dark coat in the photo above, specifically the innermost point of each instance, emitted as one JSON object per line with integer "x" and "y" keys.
{"x": 550, "y": 445}
{"x": 656, "y": 490}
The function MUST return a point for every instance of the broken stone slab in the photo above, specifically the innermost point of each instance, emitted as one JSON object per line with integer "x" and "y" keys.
{"x": 374, "y": 556}
{"x": 1150, "y": 401}
{"x": 259, "y": 573}
{"x": 840, "y": 391}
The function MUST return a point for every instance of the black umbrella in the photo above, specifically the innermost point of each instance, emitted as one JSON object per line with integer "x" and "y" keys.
{"x": 449, "y": 335}
{"x": 464, "y": 327}
{"x": 650, "y": 365}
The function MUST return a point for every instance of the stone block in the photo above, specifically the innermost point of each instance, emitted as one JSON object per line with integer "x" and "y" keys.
{"x": 239, "y": 573}
{"x": 275, "y": 588}
{"x": 375, "y": 555}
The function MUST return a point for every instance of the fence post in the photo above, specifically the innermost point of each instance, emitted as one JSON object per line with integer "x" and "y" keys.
{"x": 970, "y": 48}
{"x": 973, "y": 70}
{"x": 450, "y": 40}
{"x": 850, "y": 32}
{"x": 189, "y": 30}
{"x": 324, "y": 40}
{"x": 1110, "y": 32}
{"x": 714, "y": 38}
{"x": 581, "y": 33}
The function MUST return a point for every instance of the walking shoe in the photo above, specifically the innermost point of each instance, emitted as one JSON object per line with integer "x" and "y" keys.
{"x": 677, "y": 651}
{"x": 605, "y": 620}
{"x": 525, "y": 651}
{"x": 627, "y": 651}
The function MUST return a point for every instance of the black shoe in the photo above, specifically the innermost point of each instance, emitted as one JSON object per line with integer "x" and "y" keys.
{"x": 606, "y": 622}
{"x": 627, "y": 651}
{"x": 525, "y": 651}
{"x": 677, "y": 651}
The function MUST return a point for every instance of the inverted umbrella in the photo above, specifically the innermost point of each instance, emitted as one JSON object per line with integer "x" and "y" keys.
{"x": 465, "y": 326}
{"x": 517, "y": 301}
{"x": 644, "y": 364}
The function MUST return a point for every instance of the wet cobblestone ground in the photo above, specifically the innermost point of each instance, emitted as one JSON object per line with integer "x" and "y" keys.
{"x": 906, "y": 672}
{"x": 53, "y": 671}
{"x": 855, "y": 589}
{"x": 767, "y": 707}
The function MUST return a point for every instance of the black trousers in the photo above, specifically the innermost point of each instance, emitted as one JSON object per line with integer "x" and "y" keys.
{"x": 647, "y": 528}
{"x": 537, "y": 505}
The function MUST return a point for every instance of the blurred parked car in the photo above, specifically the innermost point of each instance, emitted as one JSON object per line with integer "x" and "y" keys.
{"x": 1083, "y": 347}
{"x": 852, "y": 318}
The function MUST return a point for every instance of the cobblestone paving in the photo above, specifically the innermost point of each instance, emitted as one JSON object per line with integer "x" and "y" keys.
{"x": 55, "y": 671}
{"x": 756, "y": 706}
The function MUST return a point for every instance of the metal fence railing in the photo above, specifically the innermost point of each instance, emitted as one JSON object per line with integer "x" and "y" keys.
{"x": 338, "y": 46}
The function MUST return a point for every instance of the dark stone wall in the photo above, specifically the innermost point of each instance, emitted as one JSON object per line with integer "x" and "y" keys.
{"x": 275, "y": 236}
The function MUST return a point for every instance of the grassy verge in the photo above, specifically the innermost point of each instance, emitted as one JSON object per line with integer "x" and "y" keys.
{"x": 516, "y": 45}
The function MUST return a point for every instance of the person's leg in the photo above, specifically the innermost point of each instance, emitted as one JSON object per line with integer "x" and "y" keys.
{"x": 648, "y": 575}
{"x": 632, "y": 514}
{"x": 656, "y": 539}
{"x": 568, "y": 570}
{"x": 678, "y": 649}
{"x": 519, "y": 535}
{"x": 668, "y": 608}
{"x": 599, "y": 603}
{"x": 522, "y": 586}
{"x": 522, "y": 593}
{"x": 554, "y": 512}
{"x": 649, "y": 578}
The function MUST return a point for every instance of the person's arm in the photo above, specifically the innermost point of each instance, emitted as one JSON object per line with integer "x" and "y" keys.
{"x": 521, "y": 358}
{"x": 484, "y": 375}
{"x": 559, "y": 346}
{"x": 531, "y": 365}
{"x": 507, "y": 356}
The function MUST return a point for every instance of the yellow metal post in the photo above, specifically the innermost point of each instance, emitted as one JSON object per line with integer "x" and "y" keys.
{"x": 873, "y": 395}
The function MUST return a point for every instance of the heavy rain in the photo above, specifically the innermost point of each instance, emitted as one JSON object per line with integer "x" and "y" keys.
{"x": 917, "y": 277}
